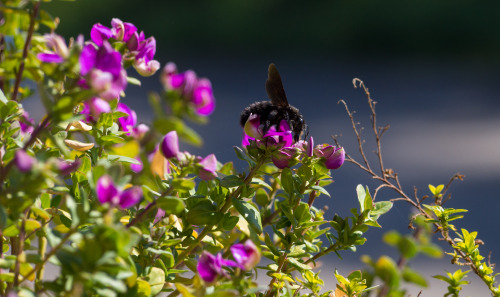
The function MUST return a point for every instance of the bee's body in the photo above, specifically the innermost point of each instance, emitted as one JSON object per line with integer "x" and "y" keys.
{"x": 273, "y": 112}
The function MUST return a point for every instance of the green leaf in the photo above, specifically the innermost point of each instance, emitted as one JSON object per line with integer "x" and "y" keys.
{"x": 156, "y": 279}
{"x": 204, "y": 213}
{"x": 124, "y": 159}
{"x": 171, "y": 205}
{"x": 3, "y": 99}
{"x": 231, "y": 181}
{"x": 229, "y": 222}
{"x": 143, "y": 288}
{"x": 407, "y": 247}
{"x": 381, "y": 208}
{"x": 287, "y": 180}
{"x": 112, "y": 139}
{"x": 262, "y": 198}
{"x": 413, "y": 276}
{"x": 298, "y": 265}
{"x": 392, "y": 238}
{"x": 364, "y": 198}
{"x": 250, "y": 213}
{"x": 258, "y": 181}
{"x": 321, "y": 190}
{"x": 133, "y": 81}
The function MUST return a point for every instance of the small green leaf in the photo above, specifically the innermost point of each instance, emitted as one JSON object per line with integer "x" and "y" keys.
{"x": 287, "y": 180}
{"x": 321, "y": 190}
{"x": 413, "y": 276}
{"x": 124, "y": 159}
{"x": 204, "y": 213}
{"x": 171, "y": 205}
{"x": 298, "y": 265}
{"x": 250, "y": 213}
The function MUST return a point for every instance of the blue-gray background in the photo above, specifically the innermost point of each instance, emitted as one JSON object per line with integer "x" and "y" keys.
{"x": 433, "y": 66}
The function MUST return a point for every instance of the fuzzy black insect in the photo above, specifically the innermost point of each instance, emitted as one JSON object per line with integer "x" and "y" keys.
{"x": 272, "y": 112}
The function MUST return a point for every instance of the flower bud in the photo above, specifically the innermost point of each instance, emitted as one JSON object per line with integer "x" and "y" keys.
{"x": 170, "y": 145}
{"x": 246, "y": 255}
{"x": 209, "y": 166}
{"x": 23, "y": 161}
{"x": 130, "y": 197}
{"x": 106, "y": 190}
{"x": 335, "y": 160}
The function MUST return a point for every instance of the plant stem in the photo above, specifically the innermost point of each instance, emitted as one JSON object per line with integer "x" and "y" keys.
{"x": 31, "y": 29}
{"x": 52, "y": 252}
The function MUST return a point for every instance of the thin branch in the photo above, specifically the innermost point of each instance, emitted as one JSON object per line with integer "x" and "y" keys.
{"x": 31, "y": 29}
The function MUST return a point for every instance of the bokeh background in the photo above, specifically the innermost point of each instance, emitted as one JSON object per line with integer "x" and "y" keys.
{"x": 433, "y": 66}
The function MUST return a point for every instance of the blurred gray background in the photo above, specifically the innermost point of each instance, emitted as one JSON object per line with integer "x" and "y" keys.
{"x": 433, "y": 66}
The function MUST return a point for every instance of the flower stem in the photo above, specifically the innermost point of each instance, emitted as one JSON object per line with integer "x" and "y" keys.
{"x": 31, "y": 29}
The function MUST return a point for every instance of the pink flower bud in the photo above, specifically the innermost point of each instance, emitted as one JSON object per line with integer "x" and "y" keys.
{"x": 246, "y": 255}
{"x": 170, "y": 145}
{"x": 209, "y": 166}
{"x": 23, "y": 161}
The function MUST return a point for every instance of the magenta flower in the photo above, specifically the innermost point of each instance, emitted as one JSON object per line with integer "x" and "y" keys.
{"x": 332, "y": 156}
{"x": 58, "y": 50}
{"x": 159, "y": 215}
{"x": 122, "y": 31}
{"x": 203, "y": 97}
{"x": 66, "y": 167}
{"x": 127, "y": 123}
{"x": 310, "y": 147}
{"x": 103, "y": 70}
{"x": 247, "y": 255}
{"x": 93, "y": 107}
{"x": 208, "y": 168}
{"x": 137, "y": 167}
{"x": 285, "y": 157}
{"x": 23, "y": 161}
{"x": 170, "y": 145}
{"x": 210, "y": 267}
{"x": 144, "y": 60}
{"x": 26, "y": 123}
{"x": 282, "y": 137}
{"x": 100, "y": 33}
{"x": 107, "y": 192}
{"x": 140, "y": 130}
{"x": 196, "y": 91}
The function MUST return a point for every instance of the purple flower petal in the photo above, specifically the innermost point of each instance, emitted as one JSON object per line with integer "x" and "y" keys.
{"x": 246, "y": 255}
{"x": 281, "y": 159}
{"x": 122, "y": 31}
{"x": 310, "y": 147}
{"x": 335, "y": 160}
{"x": 87, "y": 59}
{"x": 209, "y": 166}
{"x": 127, "y": 123}
{"x": 130, "y": 197}
{"x": 23, "y": 161}
{"x": 207, "y": 267}
{"x": 50, "y": 58}
{"x": 66, "y": 167}
{"x": 137, "y": 167}
{"x": 106, "y": 190}
{"x": 99, "y": 33}
{"x": 170, "y": 145}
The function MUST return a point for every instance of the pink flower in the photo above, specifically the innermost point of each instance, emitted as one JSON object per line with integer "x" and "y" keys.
{"x": 93, "y": 107}
{"x": 247, "y": 255}
{"x": 23, "y": 161}
{"x": 103, "y": 71}
{"x": 210, "y": 267}
{"x": 127, "y": 123}
{"x": 107, "y": 192}
{"x": 332, "y": 156}
{"x": 57, "y": 49}
{"x": 208, "y": 167}
{"x": 170, "y": 145}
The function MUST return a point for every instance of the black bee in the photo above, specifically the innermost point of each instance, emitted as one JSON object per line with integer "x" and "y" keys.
{"x": 272, "y": 112}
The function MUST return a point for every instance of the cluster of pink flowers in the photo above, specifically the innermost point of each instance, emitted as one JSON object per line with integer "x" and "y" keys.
{"x": 194, "y": 90}
{"x": 284, "y": 152}
{"x": 205, "y": 167}
{"x": 140, "y": 49}
{"x": 246, "y": 256}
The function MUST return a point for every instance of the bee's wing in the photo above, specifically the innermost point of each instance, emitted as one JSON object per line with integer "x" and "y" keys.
{"x": 274, "y": 87}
